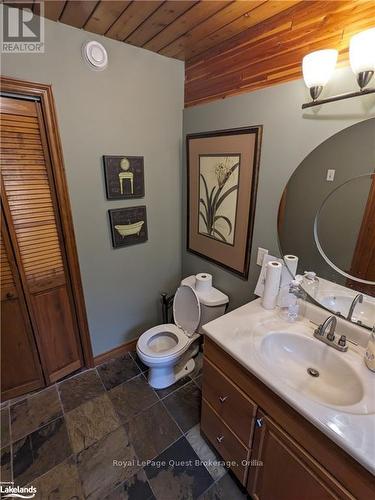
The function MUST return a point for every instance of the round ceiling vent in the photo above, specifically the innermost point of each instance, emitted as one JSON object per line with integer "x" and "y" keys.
{"x": 95, "y": 55}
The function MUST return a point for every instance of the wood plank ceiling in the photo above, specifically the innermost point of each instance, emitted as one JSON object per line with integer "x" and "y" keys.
{"x": 228, "y": 47}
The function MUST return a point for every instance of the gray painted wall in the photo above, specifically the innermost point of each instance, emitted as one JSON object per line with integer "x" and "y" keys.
{"x": 133, "y": 108}
{"x": 289, "y": 135}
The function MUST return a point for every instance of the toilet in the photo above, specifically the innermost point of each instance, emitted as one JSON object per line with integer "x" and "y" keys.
{"x": 168, "y": 350}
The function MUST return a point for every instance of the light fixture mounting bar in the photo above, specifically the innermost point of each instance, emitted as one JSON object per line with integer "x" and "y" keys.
{"x": 339, "y": 97}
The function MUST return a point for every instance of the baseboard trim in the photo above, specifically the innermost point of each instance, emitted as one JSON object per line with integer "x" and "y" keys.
{"x": 114, "y": 353}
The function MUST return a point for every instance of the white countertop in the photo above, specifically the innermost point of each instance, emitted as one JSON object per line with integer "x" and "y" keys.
{"x": 351, "y": 428}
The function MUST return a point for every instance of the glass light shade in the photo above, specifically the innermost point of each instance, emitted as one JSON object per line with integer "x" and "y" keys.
{"x": 318, "y": 67}
{"x": 362, "y": 51}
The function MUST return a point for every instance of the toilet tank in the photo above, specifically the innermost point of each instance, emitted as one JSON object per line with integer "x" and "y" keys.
{"x": 209, "y": 313}
{"x": 213, "y": 302}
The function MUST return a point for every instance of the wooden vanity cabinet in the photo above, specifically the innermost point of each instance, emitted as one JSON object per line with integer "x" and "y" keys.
{"x": 279, "y": 455}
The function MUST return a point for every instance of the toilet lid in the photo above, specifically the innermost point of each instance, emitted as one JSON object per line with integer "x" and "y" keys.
{"x": 186, "y": 309}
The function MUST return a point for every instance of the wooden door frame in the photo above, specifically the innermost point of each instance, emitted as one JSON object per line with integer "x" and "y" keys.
{"x": 44, "y": 93}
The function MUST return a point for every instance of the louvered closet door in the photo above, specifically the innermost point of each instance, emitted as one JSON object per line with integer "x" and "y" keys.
{"x": 20, "y": 367}
{"x": 33, "y": 221}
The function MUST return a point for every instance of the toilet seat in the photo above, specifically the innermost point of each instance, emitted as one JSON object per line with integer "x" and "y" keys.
{"x": 163, "y": 342}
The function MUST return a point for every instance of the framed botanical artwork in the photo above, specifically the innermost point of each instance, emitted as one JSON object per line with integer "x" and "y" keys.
{"x": 222, "y": 170}
{"x": 124, "y": 177}
{"x": 128, "y": 226}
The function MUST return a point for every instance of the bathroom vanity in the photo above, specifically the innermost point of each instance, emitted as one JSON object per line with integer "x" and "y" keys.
{"x": 284, "y": 433}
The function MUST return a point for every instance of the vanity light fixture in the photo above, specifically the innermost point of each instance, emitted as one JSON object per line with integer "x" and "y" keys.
{"x": 362, "y": 56}
{"x": 318, "y": 67}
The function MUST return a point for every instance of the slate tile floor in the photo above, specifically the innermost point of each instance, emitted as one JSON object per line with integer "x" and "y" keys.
{"x": 64, "y": 439}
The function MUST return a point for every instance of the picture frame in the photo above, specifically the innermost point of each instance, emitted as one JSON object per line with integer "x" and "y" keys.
{"x": 124, "y": 176}
{"x": 128, "y": 226}
{"x": 222, "y": 183}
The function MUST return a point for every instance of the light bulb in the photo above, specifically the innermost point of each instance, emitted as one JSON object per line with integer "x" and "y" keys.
{"x": 362, "y": 51}
{"x": 362, "y": 56}
{"x": 318, "y": 67}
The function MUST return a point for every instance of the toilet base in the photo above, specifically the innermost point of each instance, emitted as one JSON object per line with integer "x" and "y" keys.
{"x": 164, "y": 376}
{"x": 161, "y": 377}
{"x": 185, "y": 370}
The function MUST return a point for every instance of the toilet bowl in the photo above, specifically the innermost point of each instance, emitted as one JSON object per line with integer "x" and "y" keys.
{"x": 168, "y": 349}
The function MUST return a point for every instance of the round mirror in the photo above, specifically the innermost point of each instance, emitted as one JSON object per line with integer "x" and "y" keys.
{"x": 344, "y": 250}
{"x": 327, "y": 219}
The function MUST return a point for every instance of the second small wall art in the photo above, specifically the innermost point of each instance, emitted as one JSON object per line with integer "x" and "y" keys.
{"x": 128, "y": 226}
{"x": 124, "y": 177}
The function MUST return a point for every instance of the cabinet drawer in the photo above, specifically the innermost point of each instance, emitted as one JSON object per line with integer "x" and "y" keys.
{"x": 228, "y": 446}
{"x": 229, "y": 402}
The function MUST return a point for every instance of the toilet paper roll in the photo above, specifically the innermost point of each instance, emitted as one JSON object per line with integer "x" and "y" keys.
{"x": 272, "y": 284}
{"x": 290, "y": 269}
{"x": 203, "y": 282}
{"x": 291, "y": 262}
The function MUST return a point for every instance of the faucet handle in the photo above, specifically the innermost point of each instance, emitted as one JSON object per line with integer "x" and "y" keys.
{"x": 342, "y": 341}
{"x": 331, "y": 336}
{"x": 319, "y": 330}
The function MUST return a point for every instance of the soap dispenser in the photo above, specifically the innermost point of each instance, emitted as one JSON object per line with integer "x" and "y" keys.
{"x": 370, "y": 351}
{"x": 310, "y": 283}
{"x": 292, "y": 301}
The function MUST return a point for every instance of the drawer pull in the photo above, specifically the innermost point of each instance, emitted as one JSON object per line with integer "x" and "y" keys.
{"x": 259, "y": 422}
{"x": 223, "y": 398}
{"x": 219, "y": 439}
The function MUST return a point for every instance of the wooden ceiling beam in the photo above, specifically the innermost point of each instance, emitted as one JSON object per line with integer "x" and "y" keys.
{"x": 136, "y": 13}
{"x": 308, "y": 9}
{"x": 77, "y": 12}
{"x": 158, "y": 21}
{"x": 197, "y": 14}
{"x": 53, "y": 10}
{"x": 262, "y": 12}
{"x": 182, "y": 45}
{"x": 105, "y": 15}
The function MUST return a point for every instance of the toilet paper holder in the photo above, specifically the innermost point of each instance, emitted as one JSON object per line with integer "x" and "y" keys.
{"x": 166, "y": 305}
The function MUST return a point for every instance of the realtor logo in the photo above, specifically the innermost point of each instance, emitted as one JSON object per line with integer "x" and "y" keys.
{"x": 22, "y": 29}
{"x": 8, "y": 490}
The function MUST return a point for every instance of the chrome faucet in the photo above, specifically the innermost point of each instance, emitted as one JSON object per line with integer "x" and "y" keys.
{"x": 330, "y": 322}
{"x": 357, "y": 298}
{"x": 329, "y": 339}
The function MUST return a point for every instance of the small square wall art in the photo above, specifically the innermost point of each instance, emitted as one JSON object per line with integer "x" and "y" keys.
{"x": 128, "y": 226}
{"x": 124, "y": 177}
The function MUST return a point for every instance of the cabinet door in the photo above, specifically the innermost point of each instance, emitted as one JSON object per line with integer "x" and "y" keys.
{"x": 20, "y": 367}
{"x": 284, "y": 471}
{"x": 33, "y": 219}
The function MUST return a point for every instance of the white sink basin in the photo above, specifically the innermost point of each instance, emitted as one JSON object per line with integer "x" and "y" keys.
{"x": 364, "y": 312}
{"x": 290, "y": 356}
